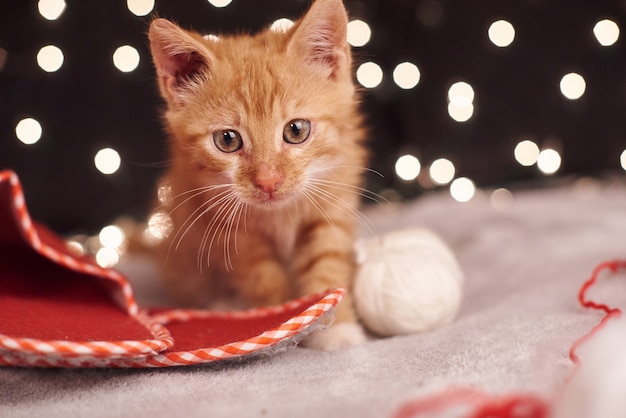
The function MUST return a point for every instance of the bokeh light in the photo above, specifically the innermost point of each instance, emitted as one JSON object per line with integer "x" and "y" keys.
{"x": 369, "y": 74}
{"x": 622, "y": 159}
{"x": 159, "y": 227}
{"x": 462, "y": 189}
{"x": 408, "y": 167}
{"x": 107, "y": 161}
{"x": 359, "y": 33}
{"x": 140, "y": 7}
{"x": 75, "y": 246}
{"x": 50, "y": 58}
{"x": 549, "y": 161}
{"x": 460, "y": 101}
{"x": 606, "y": 32}
{"x": 165, "y": 193}
{"x": 501, "y": 199}
{"x": 220, "y": 3}
{"x": 111, "y": 236}
{"x": 461, "y": 94}
{"x": 51, "y": 9}
{"x": 460, "y": 113}
{"x": 28, "y": 131}
{"x": 501, "y": 33}
{"x": 107, "y": 257}
{"x": 406, "y": 75}
{"x": 441, "y": 171}
{"x": 573, "y": 86}
{"x": 126, "y": 58}
{"x": 526, "y": 152}
{"x": 281, "y": 25}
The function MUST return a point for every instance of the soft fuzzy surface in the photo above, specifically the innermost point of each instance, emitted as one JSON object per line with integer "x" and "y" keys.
{"x": 523, "y": 265}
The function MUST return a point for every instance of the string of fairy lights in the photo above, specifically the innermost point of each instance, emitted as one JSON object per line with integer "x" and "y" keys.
{"x": 406, "y": 75}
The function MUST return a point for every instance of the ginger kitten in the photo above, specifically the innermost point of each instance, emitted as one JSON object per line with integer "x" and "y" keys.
{"x": 267, "y": 155}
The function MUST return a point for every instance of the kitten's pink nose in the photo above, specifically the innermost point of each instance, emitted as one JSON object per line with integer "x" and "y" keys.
{"x": 268, "y": 178}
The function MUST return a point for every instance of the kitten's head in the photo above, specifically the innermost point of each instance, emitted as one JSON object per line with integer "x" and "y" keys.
{"x": 265, "y": 113}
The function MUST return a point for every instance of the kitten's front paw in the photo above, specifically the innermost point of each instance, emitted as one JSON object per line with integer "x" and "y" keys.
{"x": 341, "y": 335}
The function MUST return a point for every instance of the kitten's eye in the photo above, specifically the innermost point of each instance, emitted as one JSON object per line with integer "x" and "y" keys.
{"x": 297, "y": 131}
{"x": 227, "y": 140}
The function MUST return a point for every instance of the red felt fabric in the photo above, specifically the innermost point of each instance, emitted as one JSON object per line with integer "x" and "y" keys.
{"x": 215, "y": 331}
{"x": 42, "y": 300}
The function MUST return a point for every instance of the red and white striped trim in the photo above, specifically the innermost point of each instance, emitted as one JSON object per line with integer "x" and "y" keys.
{"x": 267, "y": 339}
{"x": 145, "y": 353}
{"x": 31, "y": 236}
{"x": 122, "y": 293}
{"x": 258, "y": 344}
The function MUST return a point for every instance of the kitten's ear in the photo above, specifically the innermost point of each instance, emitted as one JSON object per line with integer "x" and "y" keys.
{"x": 321, "y": 37}
{"x": 181, "y": 60}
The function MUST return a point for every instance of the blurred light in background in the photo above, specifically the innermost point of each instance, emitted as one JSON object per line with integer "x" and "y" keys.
{"x": 606, "y": 32}
{"x": 549, "y": 161}
{"x": 107, "y": 257}
{"x": 164, "y": 193}
{"x": 159, "y": 227}
{"x": 622, "y": 159}
{"x": 126, "y": 58}
{"x": 28, "y": 131}
{"x": 107, "y": 161}
{"x": 501, "y": 199}
{"x": 441, "y": 171}
{"x": 211, "y": 37}
{"x": 111, "y": 236}
{"x": 526, "y": 152}
{"x": 75, "y": 246}
{"x": 220, "y": 3}
{"x": 501, "y": 33}
{"x": 369, "y": 74}
{"x": 462, "y": 189}
{"x": 359, "y": 33}
{"x": 140, "y": 7}
{"x": 51, "y": 9}
{"x": 573, "y": 86}
{"x": 406, "y": 75}
{"x": 460, "y": 101}
{"x": 408, "y": 167}
{"x": 50, "y": 58}
{"x": 281, "y": 25}
{"x": 460, "y": 113}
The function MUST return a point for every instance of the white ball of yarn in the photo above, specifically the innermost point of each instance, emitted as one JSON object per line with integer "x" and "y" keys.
{"x": 408, "y": 281}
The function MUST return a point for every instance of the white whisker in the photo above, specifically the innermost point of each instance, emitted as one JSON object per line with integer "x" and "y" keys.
{"x": 198, "y": 191}
{"x": 204, "y": 208}
{"x": 340, "y": 204}
{"x": 368, "y": 194}
{"x": 347, "y": 166}
{"x": 222, "y": 219}
{"x": 321, "y": 210}
{"x": 242, "y": 208}
{"x": 217, "y": 220}
{"x": 229, "y": 233}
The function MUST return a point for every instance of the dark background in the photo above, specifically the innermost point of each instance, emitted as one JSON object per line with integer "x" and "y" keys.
{"x": 88, "y": 104}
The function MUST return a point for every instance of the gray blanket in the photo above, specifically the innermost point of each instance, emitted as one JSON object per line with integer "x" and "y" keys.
{"x": 524, "y": 266}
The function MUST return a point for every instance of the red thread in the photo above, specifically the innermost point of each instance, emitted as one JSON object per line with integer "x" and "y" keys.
{"x": 611, "y": 313}
{"x": 483, "y": 405}
{"x": 516, "y": 406}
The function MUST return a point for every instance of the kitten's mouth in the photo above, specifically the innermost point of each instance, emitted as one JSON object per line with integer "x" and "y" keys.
{"x": 271, "y": 199}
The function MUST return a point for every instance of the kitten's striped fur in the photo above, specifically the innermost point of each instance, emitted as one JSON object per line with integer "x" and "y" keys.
{"x": 270, "y": 220}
